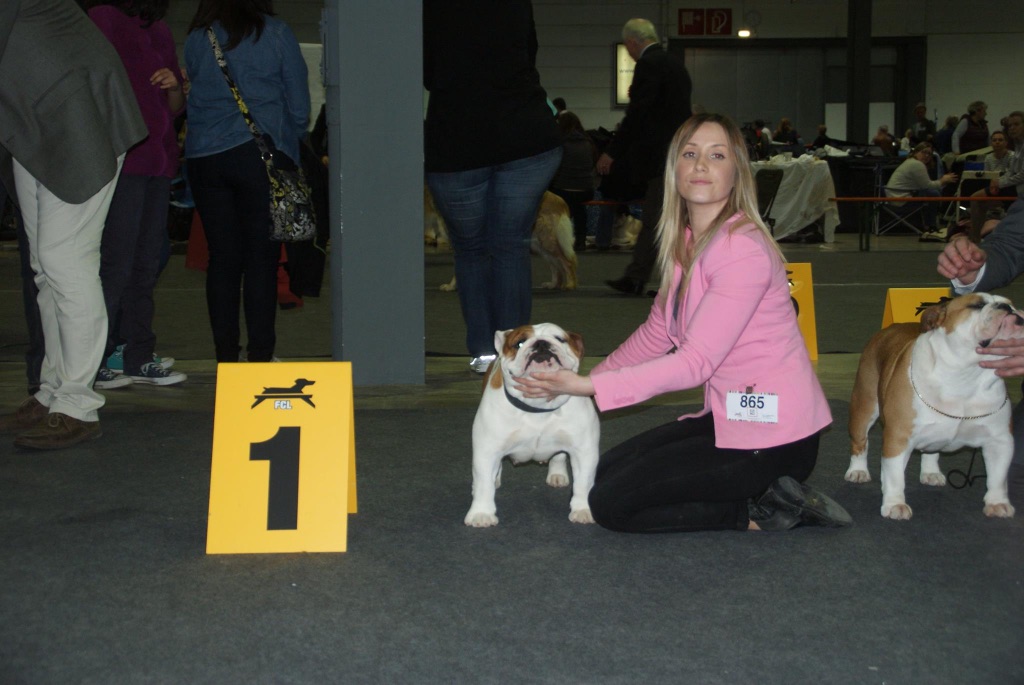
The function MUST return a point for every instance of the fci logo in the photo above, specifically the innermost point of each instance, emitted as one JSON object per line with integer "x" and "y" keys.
{"x": 283, "y": 396}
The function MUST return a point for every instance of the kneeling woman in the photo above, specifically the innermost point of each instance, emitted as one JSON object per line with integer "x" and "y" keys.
{"x": 723, "y": 319}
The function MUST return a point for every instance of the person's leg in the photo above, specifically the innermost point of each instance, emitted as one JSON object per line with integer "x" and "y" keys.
{"x": 673, "y": 478}
{"x": 215, "y": 203}
{"x": 574, "y": 199}
{"x": 137, "y": 300}
{"x": 36, "y": 349}
{"x": 929, "y": 211}
{"x": 117, "y": 249}
{"x": 514, "y": 198}
{"x": 461, "y": 199}
{"x": 645, "y": 252}
{"x": 64, "y": 243}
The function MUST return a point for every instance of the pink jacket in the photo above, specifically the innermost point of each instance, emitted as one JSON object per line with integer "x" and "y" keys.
{"x": 735, "y": 328}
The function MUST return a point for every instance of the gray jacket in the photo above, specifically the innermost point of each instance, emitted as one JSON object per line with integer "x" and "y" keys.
{"x": 67, "y": 110}
{"x": 1004, "y": 249}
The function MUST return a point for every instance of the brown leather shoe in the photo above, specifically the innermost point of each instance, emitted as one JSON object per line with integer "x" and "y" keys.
{"x": 58, "y": 431}
{"x": 31, "y": 412}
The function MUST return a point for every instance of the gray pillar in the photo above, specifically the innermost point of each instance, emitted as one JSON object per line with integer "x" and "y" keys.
{"x": 858, "y": 70}
{"x": 374, "y": 85}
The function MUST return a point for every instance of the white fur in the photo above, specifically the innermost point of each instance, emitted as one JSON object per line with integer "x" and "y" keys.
{"x": 501, "y": 429}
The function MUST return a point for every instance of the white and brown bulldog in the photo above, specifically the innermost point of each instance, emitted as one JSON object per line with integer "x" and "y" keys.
{"x": 924, "y": 381}
{"x": 524, "y": 429}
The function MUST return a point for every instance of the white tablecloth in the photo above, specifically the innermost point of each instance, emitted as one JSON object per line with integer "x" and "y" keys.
{"x": 803, "y": 196}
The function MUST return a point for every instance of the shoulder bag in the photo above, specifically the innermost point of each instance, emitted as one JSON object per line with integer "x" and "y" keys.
{"x": 292, "y": 218}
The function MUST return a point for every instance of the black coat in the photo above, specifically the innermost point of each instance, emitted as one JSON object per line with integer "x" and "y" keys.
{"x": 659, "y": 102}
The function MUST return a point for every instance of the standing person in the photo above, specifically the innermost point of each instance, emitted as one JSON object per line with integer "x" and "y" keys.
{"x": 722, "y": 319}
{"x": 996, "y": 263}
{"x": 68, "y": 116}
{"x": 136, "y": 226}
{"x": 659, "y": 102}
{"x": 923, "y": 128}
{"x": 574, "y": 180}
{"x": 944, "y": 136}
{"x": 971, "y": 133}
{"x": 225, "y": 170}
{"x": 1011, "y": 180}
{"x": 491, "y": 148}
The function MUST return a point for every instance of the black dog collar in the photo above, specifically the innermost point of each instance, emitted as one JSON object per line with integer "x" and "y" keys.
{"x": 519, "y": 404}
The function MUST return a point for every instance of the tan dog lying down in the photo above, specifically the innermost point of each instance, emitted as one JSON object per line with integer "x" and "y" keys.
{"x": 924, "y": 382}
{"x": 552, "y": 239}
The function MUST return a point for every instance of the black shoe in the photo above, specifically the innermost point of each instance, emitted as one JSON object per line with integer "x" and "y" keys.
{"x": 770, "y": 518}
{"x": 812, "y": 507}
{"x": 627, "y": 285}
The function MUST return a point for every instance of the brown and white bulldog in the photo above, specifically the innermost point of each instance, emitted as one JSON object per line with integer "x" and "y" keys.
{"x": 924, "y": 382}
{"x": 525, "y": 429}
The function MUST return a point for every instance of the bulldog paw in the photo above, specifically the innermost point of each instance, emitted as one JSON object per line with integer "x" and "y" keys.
{"x": 857, "y": 476}
{"x": 481, "y": 519}
{"x": 558, "y": 480}
{"x": 933, "y": 478}
{"x": 1002, "y": 510}
{"x": 584, "y": 516}
{"x": 897, "y": 512}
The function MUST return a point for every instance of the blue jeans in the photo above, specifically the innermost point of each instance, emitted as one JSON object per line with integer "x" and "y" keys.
{"x": 490, "y": 214}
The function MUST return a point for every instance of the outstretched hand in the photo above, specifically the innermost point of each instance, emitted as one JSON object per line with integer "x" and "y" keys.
{"x": 961, "y": 259}
{"x": 1010, "y": 363}
{"x": 550, "y": 384}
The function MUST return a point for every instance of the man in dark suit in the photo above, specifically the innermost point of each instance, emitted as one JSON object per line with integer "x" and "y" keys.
{"x": 659, "y": 102}
{"x": 67, "y": 117}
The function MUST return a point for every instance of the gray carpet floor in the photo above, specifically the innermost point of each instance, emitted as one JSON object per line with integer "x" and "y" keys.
{"x": 104, "y": 576}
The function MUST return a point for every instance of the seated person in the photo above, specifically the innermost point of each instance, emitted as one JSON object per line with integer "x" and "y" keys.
{"x": 884, "y": 140}
{"x": 785, "y": 134}
{"x": 822, "y": 140}
{"x": 1009, "y": 183}
{"x": 911, "y": 179}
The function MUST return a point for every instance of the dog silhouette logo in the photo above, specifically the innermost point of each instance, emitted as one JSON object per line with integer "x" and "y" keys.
{"x": 292, "y": 393}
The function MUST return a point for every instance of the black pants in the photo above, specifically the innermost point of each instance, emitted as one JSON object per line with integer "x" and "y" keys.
{"x": 133, "y": 242}
{"x": 645, "y": 252}
{"x": 232, "y": 196}
{"x": 36, "y": 349}
{"x": 672, "y": 478}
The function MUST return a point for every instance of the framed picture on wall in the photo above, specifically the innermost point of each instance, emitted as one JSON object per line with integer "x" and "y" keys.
{"x": 622, "y": 75}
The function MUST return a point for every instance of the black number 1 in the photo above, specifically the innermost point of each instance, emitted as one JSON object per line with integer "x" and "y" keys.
{"x": 282, "y": 451}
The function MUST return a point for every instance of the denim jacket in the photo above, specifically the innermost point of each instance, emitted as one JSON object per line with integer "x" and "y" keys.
{"x": 271, "y": 76}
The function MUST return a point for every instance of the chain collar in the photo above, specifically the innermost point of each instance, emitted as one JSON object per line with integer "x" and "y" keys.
{"x": 939, "y": 411}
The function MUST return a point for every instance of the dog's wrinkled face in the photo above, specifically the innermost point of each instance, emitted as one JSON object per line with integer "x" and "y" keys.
{"x": 538, "y": 347}
{"x": 978, "y": 317}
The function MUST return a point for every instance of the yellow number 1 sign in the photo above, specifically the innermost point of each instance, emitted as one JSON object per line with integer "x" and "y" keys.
{"x": 283, "y": 475}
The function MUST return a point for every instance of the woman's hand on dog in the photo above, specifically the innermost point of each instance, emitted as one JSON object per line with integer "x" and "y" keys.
{"x": 551, "y": 384}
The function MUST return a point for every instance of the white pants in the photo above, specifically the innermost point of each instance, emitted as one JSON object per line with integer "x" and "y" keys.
{"x": 64, "y": 245}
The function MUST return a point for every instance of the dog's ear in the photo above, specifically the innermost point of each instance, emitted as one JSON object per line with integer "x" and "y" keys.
{"x": 933, "y": 317}
{"x": 499, "y": 339}
{"x": 576, "y": 343}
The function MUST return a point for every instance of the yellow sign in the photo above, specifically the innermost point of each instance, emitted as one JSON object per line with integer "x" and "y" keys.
{"x": 903, "y": 305}
{"x": 801, "y": 291}
{"x": 283, "y": 476}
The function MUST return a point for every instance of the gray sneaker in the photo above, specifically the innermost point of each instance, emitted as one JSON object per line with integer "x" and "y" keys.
{"x": 154, "y": 374}
{"x": 108, "y": 380}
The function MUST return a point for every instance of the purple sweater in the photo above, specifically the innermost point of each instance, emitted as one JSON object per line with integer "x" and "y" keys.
{"x": 144, "y": 51}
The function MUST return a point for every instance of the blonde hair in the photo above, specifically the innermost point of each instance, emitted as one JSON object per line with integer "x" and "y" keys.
{"x": 674, "y": 215}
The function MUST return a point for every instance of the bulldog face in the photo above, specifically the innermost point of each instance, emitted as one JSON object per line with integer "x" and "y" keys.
{"x": 537, "y": 347}
{"x": 978, "y": 317}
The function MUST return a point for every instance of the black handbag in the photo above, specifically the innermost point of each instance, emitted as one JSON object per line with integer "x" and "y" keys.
{"x": 292, "y": 217}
